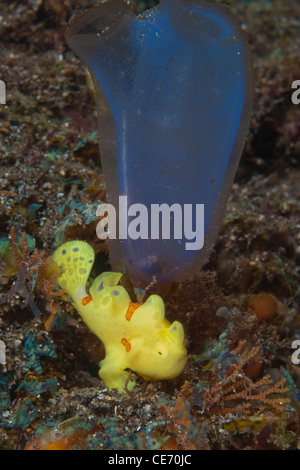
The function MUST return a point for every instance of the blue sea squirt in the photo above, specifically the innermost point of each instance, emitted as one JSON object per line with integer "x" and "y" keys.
{"x": 174, "y": 96}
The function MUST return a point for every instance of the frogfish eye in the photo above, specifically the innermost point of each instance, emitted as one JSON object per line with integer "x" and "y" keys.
{"x": 162, "y": 351}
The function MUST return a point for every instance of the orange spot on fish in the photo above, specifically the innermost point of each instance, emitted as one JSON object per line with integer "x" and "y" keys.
{"x": 86, "y": 300}
{"x": 126, "y": 344}
{"x": 131, "y": 309}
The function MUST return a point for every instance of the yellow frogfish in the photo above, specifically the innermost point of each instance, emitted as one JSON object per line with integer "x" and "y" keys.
{"x": 135, "y": 336}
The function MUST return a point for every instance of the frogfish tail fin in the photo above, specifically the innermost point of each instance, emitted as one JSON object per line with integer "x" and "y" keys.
{"x": 75, "y": 259}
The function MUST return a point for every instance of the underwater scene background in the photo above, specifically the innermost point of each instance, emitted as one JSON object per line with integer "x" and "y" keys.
{"x": 240, "y": 388}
